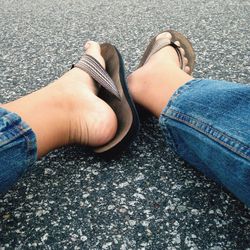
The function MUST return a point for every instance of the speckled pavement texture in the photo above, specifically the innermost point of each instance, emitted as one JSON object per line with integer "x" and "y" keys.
{"x": 148, "y": 198}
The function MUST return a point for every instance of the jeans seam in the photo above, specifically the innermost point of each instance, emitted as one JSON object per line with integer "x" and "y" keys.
{"x": 31, "y": 145}
{"x": 20, "y": 128}
{"x": 169, "y": 136}
{"x": 212, "y": 129}
{"x": 23, "y": 130}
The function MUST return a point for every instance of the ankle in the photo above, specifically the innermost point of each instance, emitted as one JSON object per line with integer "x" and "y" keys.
{"x": 152, "y": 85}
{"x": 75, "y": 79}
{"x": 58, "y": 106}
{"x": 44, "y": 112}
{"x": 135, "y": 84}
{"x": 141, "y": 80}
{"x": 88, "y": 119}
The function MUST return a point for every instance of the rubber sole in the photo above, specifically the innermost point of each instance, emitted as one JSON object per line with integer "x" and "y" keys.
{"x": 128, "y": 119}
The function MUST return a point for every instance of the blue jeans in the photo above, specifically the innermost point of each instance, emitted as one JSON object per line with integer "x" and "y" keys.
{"x": 18, "y": 149}
{"x": 206, "y": 122}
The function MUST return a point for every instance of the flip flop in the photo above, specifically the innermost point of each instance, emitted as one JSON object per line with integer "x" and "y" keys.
{"x": 114, "y": 91}
{"x": 156, "y": 45}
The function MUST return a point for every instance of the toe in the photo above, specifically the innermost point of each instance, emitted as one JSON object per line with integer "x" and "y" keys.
{"x": 182, "y": 51}
{"x": 93, "y": 49}
{"x": 164, "y": 35}
{"x": 187, "y": 69}
{"x": 177, "y": 43}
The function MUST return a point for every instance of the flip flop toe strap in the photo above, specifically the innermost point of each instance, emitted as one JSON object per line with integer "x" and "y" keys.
{"x": 164, "y": 42}
{"x": 177, "y": 49}
{"x": 91, "y": 66}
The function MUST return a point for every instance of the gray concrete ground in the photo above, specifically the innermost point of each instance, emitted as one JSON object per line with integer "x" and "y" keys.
{"x": 148, "y": 198}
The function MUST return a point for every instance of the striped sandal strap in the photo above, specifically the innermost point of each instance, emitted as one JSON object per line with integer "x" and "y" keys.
{"x": 91, "y": 66}
{"x": 164, "y": 42}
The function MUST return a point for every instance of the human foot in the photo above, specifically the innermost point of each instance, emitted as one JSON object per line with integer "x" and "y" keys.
{"x": 91, "y": 121}
{"x": 68, "y": 110}
{"x": 153, "y": 84}
{"x": 162, "y": 42}
{"x": 88, "y": 119}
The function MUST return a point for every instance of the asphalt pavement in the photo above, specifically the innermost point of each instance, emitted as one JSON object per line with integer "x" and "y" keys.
{"x": 148, "y": 198}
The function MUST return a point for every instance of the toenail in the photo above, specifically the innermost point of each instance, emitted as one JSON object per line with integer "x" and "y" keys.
{"x": 187, "y": 69}
{"x": 164, "y": 35}
{"x": 87, "y": 45}
{"x": 177, "y": 43}
{"x": 168, "y": 35}
{"x": 182, "y": 51}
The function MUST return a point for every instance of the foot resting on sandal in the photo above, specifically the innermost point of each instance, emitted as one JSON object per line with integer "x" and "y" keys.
{"x": 68, "y": 110}
{"x": 153, "y": 84}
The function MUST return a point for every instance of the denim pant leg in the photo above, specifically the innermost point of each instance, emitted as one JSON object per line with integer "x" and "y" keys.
{"x": 207, "y": 123}
{"x": 18, "y": 149}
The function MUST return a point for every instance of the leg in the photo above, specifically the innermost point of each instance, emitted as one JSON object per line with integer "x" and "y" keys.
{"x": 206, "y": 122}
{"x": 153, "y": 88}
{"x": 65, "y": 112}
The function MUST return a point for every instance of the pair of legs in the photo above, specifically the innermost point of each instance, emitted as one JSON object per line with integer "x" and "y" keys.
{"x": 68, "y": 110}
{"x": 206, "y": 122}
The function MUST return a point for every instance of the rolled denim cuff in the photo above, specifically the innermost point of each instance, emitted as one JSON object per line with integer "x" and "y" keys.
{"x": 162, "y": 120}
{"x": 206, "y": 122}
{"x": 18, "y": 148}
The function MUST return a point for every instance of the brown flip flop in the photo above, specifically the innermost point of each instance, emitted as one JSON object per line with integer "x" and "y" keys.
{"x": 157, "y": 44}
{"x": 114, "y": 91}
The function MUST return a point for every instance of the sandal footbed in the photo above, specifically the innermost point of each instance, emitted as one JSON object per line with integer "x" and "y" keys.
{"x": 184, "y": 43}
{"x": 127, "y": 117}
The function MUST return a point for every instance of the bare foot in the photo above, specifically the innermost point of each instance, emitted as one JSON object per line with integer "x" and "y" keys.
{"x": 153, "y": 84}
{"x": 91, "y": 120}
{"x": 68, "y": 110}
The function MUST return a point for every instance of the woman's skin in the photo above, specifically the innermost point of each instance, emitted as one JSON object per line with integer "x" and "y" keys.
{"x": 153, "y": 84}
{"x": 69, "y": 111}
